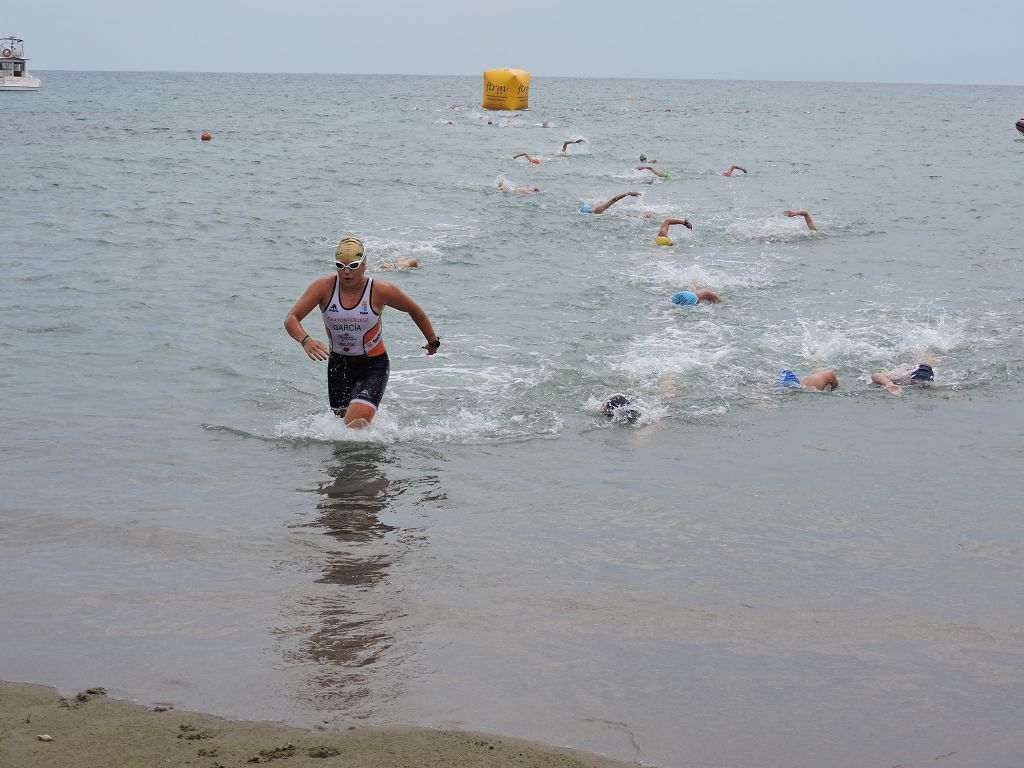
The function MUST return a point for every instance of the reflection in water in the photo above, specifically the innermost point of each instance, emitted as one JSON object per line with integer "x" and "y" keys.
{"x": 352, "y": 606}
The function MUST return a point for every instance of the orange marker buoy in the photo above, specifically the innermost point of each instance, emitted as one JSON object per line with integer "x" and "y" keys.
{"x": 206, "y": 136}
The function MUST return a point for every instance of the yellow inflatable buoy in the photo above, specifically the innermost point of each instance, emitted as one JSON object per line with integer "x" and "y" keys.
{"x": 506, "y": 89}
{"x": 662, "y": 240}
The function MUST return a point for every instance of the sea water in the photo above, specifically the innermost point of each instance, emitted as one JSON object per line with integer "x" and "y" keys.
{"x": 744, "y": 577}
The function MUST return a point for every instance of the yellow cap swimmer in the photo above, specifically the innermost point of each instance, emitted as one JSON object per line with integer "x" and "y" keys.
{"x": 662, "y": 240}
{"x": 349, "y": 249}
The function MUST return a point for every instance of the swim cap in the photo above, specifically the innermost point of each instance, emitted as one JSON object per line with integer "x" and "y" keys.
{"x": 662, "y": 240}
{"x": 584, "y": 208}
{"x": 349, "y": 249}
{"x": 923, "y": 372}
{"x": 622, "y": 406}
{"x": 535, "y": 161}
{"x": 684, "y": 297}
{"x": 787, "y": 379}
{"x": 667, "y": 176}
{"x": 643, "y": 158}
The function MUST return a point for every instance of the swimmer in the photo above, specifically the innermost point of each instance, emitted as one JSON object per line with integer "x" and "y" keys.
{"x": 685, "y": 298}
{"x": 821, "y": 380}
{"x": 1020, "y": 125}
{"x": 655, "y": 171}
{"x": 534, "y": 160}
{"x": 567, "y": 142}
{"x": 807, "y": 218}
{"x": 734, "y": 168}
{"x": 921, "y": 375}
{"x": 351, "y": 305}
{"x": 622, "y": 405}
{"x": 504, "y": 187}
{"x": 602, "y": 207}
{"x": 643, "y": 159}
{"x": 402, "y": 262}
{"x": 662, "y": 238}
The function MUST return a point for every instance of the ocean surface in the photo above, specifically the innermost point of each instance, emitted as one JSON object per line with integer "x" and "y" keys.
{"x": 747, "y": 577}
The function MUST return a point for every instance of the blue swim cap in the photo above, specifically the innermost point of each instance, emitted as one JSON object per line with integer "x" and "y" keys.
{"x": 584, "y": 208}
{"x": 787, "y": 379}
{"x": 923, "y": 372}
{"x": 684, "y": 297}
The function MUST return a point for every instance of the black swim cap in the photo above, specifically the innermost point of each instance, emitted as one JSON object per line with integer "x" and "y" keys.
{"x": 923, "y": 372}
{"x": 621, "y": 406}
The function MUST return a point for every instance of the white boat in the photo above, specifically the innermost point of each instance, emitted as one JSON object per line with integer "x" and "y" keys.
{"x": 14, "y": 74}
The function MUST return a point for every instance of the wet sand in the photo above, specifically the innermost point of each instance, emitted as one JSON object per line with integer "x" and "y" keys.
{"x": 91, "y": 730}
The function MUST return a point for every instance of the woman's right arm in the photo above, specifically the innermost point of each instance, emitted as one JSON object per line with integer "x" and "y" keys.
{"x": 314, "y": 348}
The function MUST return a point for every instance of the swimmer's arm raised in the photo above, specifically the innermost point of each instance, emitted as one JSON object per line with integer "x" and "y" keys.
{"x": 313, "y": 297}
{"x": 734, "y": 168}
{"x": 663, "y": 230}
{"x": 393, "y": 296}
{"x": 807, "y": 218}
{"x": 705, "y": 295}
{"x": 601, "y": 208}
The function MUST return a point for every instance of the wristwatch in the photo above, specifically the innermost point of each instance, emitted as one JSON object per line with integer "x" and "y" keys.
{"x": 435, "y": 343}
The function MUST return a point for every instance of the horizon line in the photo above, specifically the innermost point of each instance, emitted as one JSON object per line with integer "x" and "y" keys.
{"x": 562, "y": 77}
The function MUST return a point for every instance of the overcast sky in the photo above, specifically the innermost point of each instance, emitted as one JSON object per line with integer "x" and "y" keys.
{"x": 870, "y": 40}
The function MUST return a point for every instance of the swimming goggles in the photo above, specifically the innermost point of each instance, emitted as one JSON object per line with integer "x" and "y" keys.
{"x": 353, "y": 265}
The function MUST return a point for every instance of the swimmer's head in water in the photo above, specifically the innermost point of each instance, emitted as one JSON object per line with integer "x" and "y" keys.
{"x": 535, "y": 161}
{"x": 643, "y": 158}
{"x": 349, "y": 249}
{"x": 787, "y": 379}
{"x": 663, "y": 240}
{"x": 684, "y": 297}
{"x": 584, "y": 208}
{"x": 923, "y": 373}
{"x": 621, "y": 406}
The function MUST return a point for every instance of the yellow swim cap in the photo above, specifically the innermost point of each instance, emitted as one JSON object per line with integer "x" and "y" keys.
{"x": 662, "y": 240}
{"x": 349, "y": 249}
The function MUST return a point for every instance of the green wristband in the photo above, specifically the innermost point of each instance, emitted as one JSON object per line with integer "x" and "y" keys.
{"x": 303, "y": 342}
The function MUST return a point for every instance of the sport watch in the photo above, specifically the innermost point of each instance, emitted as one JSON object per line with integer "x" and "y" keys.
{"x": 435, "y": 343}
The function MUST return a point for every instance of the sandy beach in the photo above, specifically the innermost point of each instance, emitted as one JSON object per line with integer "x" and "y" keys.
{"x": 91, "y": 730}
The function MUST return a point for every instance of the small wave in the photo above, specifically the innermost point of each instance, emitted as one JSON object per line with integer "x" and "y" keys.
{"x": 462, "y": 426}
{"x": 60, "y": 328}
